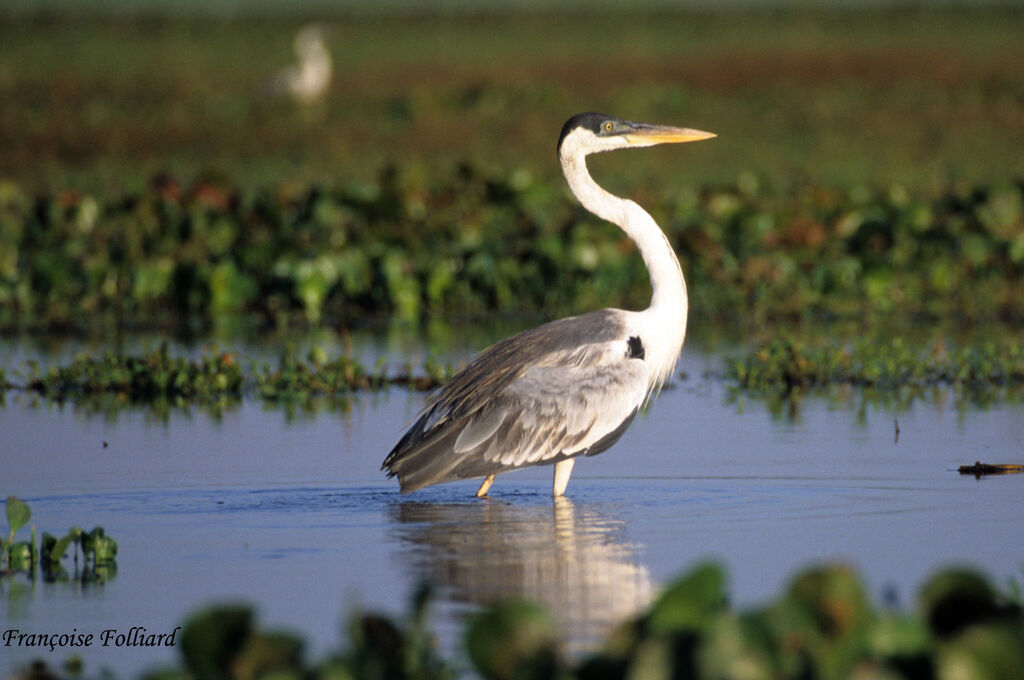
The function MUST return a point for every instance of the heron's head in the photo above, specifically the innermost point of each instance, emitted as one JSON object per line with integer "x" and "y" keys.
{"x": 310, "y": 40}
{"x": 587, "y": 133}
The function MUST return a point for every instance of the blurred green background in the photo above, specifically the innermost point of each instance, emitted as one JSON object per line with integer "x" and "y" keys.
{"x": 105, "y": 99}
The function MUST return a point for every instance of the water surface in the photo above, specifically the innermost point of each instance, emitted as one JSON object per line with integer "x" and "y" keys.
{"x": 291, "y": 512}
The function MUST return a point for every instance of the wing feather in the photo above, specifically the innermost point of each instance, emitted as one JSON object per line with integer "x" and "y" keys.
{"x": 480, "y": 429}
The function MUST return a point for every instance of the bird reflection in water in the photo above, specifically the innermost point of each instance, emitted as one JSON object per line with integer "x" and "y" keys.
{"x": 572, "y": 560}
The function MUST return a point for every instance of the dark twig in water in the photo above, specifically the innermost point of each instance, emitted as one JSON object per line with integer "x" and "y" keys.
{"x": 979, "y": 469}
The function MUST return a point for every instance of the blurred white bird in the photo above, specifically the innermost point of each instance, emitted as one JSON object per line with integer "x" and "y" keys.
{"x": 307, "y": 81}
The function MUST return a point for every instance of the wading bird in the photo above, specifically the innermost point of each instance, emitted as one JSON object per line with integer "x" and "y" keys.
{"x": 307, "y": 81}
{"x": 571, "y": 387}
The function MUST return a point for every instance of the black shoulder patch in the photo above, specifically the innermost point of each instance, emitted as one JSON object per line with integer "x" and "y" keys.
{"x": 635, "y": 348}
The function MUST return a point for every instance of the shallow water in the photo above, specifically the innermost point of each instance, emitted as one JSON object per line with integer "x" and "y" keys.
{"x": 293, "y": 514}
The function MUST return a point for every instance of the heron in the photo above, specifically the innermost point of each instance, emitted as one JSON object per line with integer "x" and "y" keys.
{"x": 308, "y": 80}
{"x": 571, "y": 387}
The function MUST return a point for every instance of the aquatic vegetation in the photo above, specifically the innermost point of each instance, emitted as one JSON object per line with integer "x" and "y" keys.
{"x": 295, "y": 378}
{"x": 15, "y": 555}
{"x": 216, "y": 378}
{"x": 822, "y": 626}
{"x": 141, "y": 378}
{"x": 475, "y": 242}
{"x": 876, "y": 372}
{"x": 788, "y": 364}
{"x": 97, "y": 549}
{"x": 893, "y": 370}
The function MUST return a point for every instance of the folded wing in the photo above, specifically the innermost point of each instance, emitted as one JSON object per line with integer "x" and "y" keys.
{"x": 565, "y": 389}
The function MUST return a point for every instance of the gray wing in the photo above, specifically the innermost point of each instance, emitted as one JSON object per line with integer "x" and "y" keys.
{"x": 568, "y": 388}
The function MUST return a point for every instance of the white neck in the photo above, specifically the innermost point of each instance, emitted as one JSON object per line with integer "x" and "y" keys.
{"x": 664, "y": 321}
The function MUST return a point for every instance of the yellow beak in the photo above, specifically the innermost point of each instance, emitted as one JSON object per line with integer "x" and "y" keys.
{"x": 648, "y": 135}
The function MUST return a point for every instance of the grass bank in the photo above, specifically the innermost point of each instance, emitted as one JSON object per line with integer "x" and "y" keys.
{"x": 104, "y": 101}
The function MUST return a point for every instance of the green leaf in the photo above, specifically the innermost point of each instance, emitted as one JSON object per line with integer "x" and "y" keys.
{"x": 834, "y": 597}
{"x": 230, "y": 289}
{"x": 212, "y": 639}
{"x": 737, "y": 647}
{"x": 983, "y": 653}
{"x": 57, "y": 548}
{"x": 956, "y": 598}
{"x": 47, "y": 543}
{"x": 690, "y": 602}
{"x": 513, "y": 640}
{"x": 102, "y": 547}
{"x": 268, "y": 653}
{"x": 54, "y": 572}
{"x": 653, "y": 661}
{"x": 18, "y": 513}
{"x": 900, "y": 640}
{"x": 20, "y": 556}
{"x": 378, "y": 640}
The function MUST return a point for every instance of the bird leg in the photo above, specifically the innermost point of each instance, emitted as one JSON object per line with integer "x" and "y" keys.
{"x": 482, "y": 491}
{"x": 563, "y": 469}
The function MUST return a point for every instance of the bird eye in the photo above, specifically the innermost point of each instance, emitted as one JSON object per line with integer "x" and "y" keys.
{"x": 608, "y": 126}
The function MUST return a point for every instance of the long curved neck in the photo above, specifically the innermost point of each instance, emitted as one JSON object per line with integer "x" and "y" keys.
{"x": 668, "y": 288}
{"x": 663, "y": 323}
